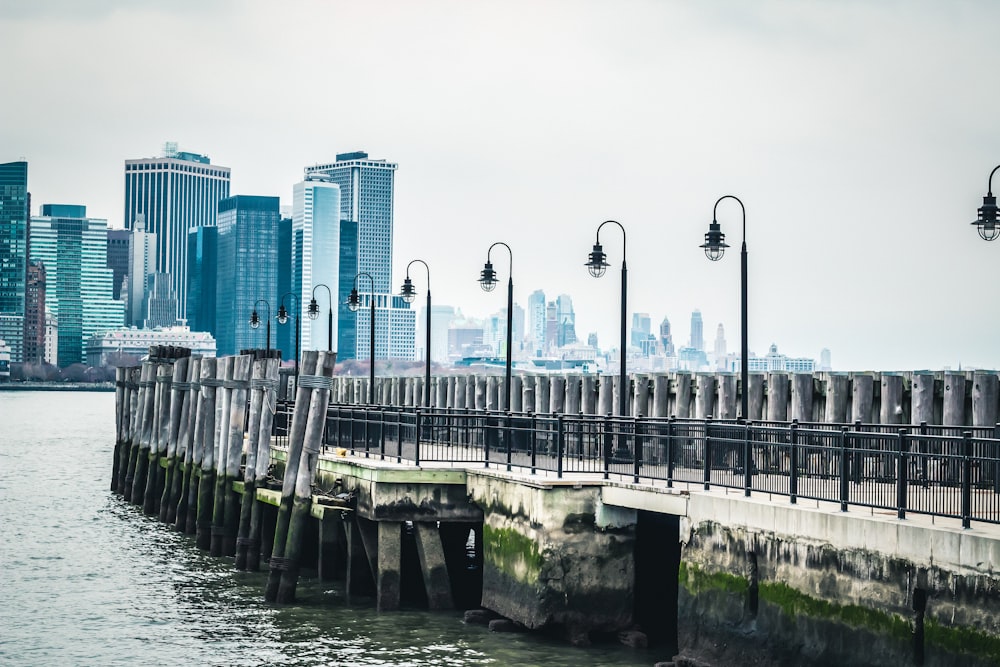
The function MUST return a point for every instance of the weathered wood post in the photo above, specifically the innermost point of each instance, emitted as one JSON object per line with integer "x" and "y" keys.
{"x": 605, "y": 395}
{"x": 132, "y": 407}
{"x": 542, "y": 394}
{"x": 557, "y": 394}
{"x": 147, "y": 388}
{"x": 837, "y": 394}
{"x": 206, "y": 442}
{"x": 777, "y": 397}
{"x": 641, "y": 408}
{"x": 158, "y": 445}
{"x": 985, "y": 393}
{"x": 704, "y": 399}
{"x": 186, "y": 447}
{"x": 802, "y": 396}
{"x": 120, "y": 421}
{"x": 588, "y": 394}
{"x": 755, "y": 399}
{"x": 480, "y": 401}
{"x": 661, "y": 396}
{"x": 309, "y": 457}
{"x": 727, "y": 395}
{"x": 258, "y": 459}
{"x": 528, "y": 393}
{"x": 682, "y": 396}
{"x": 223, "y": 412}
{"x": 516, "y": 394}
{"x": 891, "y": 408}
{"x": 177, "y": 389}
{"x": 461, "y": 383}
{"x": 862, "y": 397}
{"x": 573, "y": 394}
{"x": 296, "y": 437}
{"x": 238, "y": 388}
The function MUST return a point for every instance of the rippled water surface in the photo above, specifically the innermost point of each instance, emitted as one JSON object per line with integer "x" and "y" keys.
{"x": 88, "y": 580}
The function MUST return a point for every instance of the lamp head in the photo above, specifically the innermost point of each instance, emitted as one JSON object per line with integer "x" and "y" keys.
{"x": 313, "y": 311}
{"x": 354, "y": 301}
{"x": 409, "y": 292}
{"x": 597, "y": 263}
{"x": 282, "y": 314}
{"x": 987, "y": 223}
{"x": 254, "y": 319}
{"x": 488, "y": 277}
{"x": 715, "y": 242}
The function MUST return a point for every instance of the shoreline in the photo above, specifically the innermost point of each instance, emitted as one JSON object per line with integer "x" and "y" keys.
{"x": 57, "y": 386}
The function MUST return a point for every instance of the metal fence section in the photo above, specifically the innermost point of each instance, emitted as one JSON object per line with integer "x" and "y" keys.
{"x": 936, "y": 470}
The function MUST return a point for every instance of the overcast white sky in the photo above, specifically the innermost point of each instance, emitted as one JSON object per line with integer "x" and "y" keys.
{"x": 859, "y": 135}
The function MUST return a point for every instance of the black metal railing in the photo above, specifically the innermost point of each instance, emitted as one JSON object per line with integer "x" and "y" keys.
{"x": 937, "y": 470}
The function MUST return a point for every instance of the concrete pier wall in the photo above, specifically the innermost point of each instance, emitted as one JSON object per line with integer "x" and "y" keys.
{"x": 943, "y": 397}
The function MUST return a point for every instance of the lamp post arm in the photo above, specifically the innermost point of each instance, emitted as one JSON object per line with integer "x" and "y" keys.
{"x": 510, "y": 255}
{"x": 426, "y": 269}
{"x": 742, "y": 208}
{"x": 989, "y": 186}
{"x": 623, "y": 235}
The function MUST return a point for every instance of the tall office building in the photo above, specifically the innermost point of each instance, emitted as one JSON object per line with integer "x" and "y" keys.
{"x": 395, "y": 327}
{"x": 641, "y": 329}
{"x": 566, "y": 318}
{"x": 316, "y": 211}
{"x": 141, "y": 265}
{"x": 366, "y": 197}
{"x": 441, "y": 319}
{"x": 536, "y": 322}
{"x": 78, "y": 292}
{"x": 247, "y": 269}
{"x": 697, "y": 334}
{"x": 666, "y": 339}
{"x": 174, "y": 193}
{"x": 15, "y": 204}
{"x": 34, "y": 313}
{"x": 286, "y": 337}
{"x": 202, "y": 270}
{"x": 118, "y": 242}
{"x": 720, "y": 348}
{"x": 161, "y": 303}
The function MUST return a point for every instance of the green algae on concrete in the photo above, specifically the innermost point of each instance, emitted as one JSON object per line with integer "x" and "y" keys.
{"x": 961, "y": 640}
{"x": 696, "y": 580}
{"x": 512, "y": 553}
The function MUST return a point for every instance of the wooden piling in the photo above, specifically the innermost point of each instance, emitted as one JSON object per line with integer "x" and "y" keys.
{"x": 224, "y": 373}
{"x": 516, "y": 394}
{"x": 178, "y": 390}
{"x": 704, "y": 399}
{"x": 248, "y": 540}
{"x": 727, "y": 395}
{"x": 130, "y": 446}
{"x": 557, "y": 394}
{"x": 120, "y": 420}
{"x": 206, "y": 448}
{"x": 777, "y": 397}
{"x": 682, "y": 396}
{"x": 158, "y": 443}
{"x": 922, "y": 398}
{"x": 234, "y": 454}
{"x": 837, "y": 395}
{"x": 296, "y": 438}
{"x": 139, "y": 470}
{"x": 755, "y": 400}
{"x": 891, "y": 408}
{"x": 461, "y": 384}
{"x": 572, "y": 394}
{"x": 185, "y": 500}
{"x": 802, "y": 396}
{"x": 985, "y": 392}
{"x": 588, "y": 394}
{"x": 542, "y": 394}
{"x": 862, "y": 397}
{"x": 309, "y": 458}
{"x": 641, "y": 396}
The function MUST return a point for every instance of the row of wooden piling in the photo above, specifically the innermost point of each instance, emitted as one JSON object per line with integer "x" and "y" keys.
{"x": 185, "y": 428}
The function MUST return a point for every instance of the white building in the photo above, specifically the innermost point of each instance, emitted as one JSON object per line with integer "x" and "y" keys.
{"x": 316, "y": 254}
{"x": 122, "y": 347}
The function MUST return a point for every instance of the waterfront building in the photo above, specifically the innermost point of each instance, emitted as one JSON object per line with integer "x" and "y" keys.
{"x": 15, "y": 205}
{"x": 247, "y": 268}
{"x": 78, "y": 284}
{"x": 316, "y": 212}
{"x": 775, "y": 361}
{"x": 202, "y": 270}
{"x": 34, "y": 313}
{"x": 128, "y": 346}
{"x": 51, "y": 338}
{"x": 118, "y": 258}
{"x": 173, "y": 193}
{"x": 697, "y": 341}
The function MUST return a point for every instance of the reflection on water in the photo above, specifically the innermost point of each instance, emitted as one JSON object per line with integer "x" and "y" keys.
{"x": 89, "y": 580}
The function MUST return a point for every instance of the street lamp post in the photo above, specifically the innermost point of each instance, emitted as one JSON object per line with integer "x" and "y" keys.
{"x": 488, "y": 281}
{"x": 714, "y": 247}
{"x": 255, "y": 321}
{"x": 283, "y": 318}
{"x": 597, "y": 264}
{"x": 313, "y": 313}
{"x": 353, "y": 302}
{"x": 409, "y": 293}
{"x": 987, "y": 223}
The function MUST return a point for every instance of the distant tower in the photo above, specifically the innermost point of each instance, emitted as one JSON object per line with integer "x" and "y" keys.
{"x": 34, "y": 313}
{"x": 202, "y": 271}
{"x": 161, "y": 303}
{"x": 536, "y": 322}
{"x": 641, "y": 329}
{"x": 666, "y": 340}
{"x": 316, "y": 255}
{"x": 720, "y": 348}
{"x": 118, "y": 240}
{"x": 141, "y": 265}
{"x": 14, "y": 224}
{"x": 825, "y": 363}
{"x": 697, "y": 336}
{"x": 247, "y": 270}
{"x": 173, "y": 193}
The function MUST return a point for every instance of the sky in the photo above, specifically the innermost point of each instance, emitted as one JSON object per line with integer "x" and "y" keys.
{"x": 859, "y": 136}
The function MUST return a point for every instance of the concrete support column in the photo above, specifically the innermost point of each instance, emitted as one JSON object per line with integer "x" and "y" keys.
{"x": 389, "y": 565}
{"x": 432, "y": 565}
{"x": 330, "y": 531}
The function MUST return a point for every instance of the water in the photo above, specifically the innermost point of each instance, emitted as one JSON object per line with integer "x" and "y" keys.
{"x": 86, "y": 579}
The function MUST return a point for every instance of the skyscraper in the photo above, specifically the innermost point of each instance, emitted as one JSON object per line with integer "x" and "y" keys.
{"x": 316, "y": 211}
{"x": 697, "y": 335}
{"x": 74, "y": 249}
{"x": 247, "y": 269}
{"x": 141, "y": 265}
{"x": 720, "y": 348}
{"x": 536, "y": 322}
{"x": 14, "y": 223}
{"x": 34, "y": 313}
{"x": 202, "y": 269}
{"x": 174, "y": 193}
{"x": 566, "y": 330}
{"x": 641, "y": 329}
{"x": 366, "y": 197}
{"x": 666, "y": 339}
{"x": 118, "y": 241}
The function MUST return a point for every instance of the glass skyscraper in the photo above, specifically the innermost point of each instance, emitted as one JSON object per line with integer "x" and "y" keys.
{"x": 14, "y": 222}
{"x": 247, "y": 270}
{"x": 78, "y": 290}
{"x": 316, "y": 210}
{"x": 202, "y": 271}
{"x": 174, "y": 193}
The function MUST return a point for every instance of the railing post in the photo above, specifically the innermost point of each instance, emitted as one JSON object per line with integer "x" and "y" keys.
{"x": 670, "y": 451}
{"x": 995, "y": 464}
{"x": 637, "y": 448}
{"x": 707, "y": 454}
{"x": 924, "y": 450}
{"x": 399, "y": 435}
{"x": 381, "y": 432}
{"x": 858, "y": 462}
{"x": 534, "y": 440}
{"x": 607, "y": 445}
{"x": 486, "y": 440}
{"x": 353, "y": 429}
{"x": 845, "y": 465}
{"x": 416, "y": 444}
{"x": 508, "y": 437}
{"x": 966, "y": 479}
{"x": 902, "y": 462}
{"x": 560, "y": 445}
{"x": 793, "y": 461}
{"x": 747, "y": 459}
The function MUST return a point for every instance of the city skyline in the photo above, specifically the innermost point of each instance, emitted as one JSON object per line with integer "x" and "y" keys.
{"x": 825, "y": 120}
